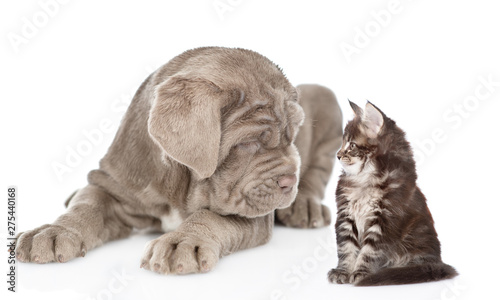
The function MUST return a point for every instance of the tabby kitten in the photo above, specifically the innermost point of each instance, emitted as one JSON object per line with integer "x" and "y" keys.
{"x": 385, "y": 232}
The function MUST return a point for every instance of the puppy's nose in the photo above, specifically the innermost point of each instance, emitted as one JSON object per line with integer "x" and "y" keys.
{"x": 287, "y": 182}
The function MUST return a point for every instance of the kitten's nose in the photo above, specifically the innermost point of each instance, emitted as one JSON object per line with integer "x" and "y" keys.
{"x": 339, "y": 155}
{"x": 286, "y": 183}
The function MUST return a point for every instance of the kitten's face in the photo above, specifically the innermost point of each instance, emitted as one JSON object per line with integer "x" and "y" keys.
{"x": 359, "y": 141}
{"x": 355, "y": 151}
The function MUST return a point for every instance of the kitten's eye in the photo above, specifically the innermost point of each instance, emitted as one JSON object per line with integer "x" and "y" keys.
{"x": 352, "y": 146}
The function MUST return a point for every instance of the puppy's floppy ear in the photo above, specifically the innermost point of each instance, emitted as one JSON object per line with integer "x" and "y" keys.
{"x": 185, "y": 121}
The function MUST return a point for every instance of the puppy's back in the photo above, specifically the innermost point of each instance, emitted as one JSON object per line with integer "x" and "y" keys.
{"x": 322, "y": 124}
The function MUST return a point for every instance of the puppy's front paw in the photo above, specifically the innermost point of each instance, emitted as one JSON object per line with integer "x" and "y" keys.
{"x": 338, "y": 276}
{"x": 305, "y": 212}
{"x": 180, "y": 253}
{"x": 49, "y": 243}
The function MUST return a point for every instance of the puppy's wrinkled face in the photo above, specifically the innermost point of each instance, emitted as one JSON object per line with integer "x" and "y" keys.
{"x": 231, "y": 117}
{"x": 258, "y": 162}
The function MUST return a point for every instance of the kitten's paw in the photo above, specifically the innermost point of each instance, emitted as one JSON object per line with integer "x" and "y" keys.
{"x": 49, "y": 243}
{"x": 338, "y": 276}
{"x": 178, "y": 253}
{"x": 305, "y": 212}
{"x": 357, "y": 276}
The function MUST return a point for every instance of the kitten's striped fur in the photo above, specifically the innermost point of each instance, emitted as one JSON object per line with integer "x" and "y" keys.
{"x": 385, "y": 232}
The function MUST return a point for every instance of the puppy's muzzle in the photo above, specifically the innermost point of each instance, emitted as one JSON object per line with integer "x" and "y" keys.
{"x": 286, "y": 183}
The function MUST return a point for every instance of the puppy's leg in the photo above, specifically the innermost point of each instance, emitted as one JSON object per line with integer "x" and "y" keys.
{"x": 318, "y": 140}
{"x": 91, "y": 220}
{"x": 307, "y": 210}
{"x": 202, "y": 239}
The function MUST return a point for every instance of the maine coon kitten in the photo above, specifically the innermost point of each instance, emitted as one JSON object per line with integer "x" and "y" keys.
{"x": 385, "y": 232}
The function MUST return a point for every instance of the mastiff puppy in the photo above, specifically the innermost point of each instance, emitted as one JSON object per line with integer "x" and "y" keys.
{"x": 209, "y": 148}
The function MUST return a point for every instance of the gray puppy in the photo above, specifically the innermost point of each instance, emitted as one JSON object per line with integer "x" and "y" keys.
{"x": 206, "y": 152}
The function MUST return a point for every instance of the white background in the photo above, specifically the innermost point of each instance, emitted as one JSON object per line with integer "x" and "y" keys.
{"x": 82, "y": 64}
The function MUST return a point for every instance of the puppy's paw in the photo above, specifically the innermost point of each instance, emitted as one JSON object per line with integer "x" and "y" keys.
{"x": 49, "y": 243}
{"x": 357, "y": 276}
{"x": 338, "y": 276}
{"x": 180, "y": 253}
{"x": 305, "y": 212}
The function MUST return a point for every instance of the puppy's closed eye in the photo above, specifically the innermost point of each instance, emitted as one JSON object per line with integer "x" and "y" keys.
{"x": 250, "y": 146}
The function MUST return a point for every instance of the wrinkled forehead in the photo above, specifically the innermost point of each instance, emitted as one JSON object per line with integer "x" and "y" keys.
{"x": 278, "y": 100}
{"x": 253, "y": 111}
{"x": 279, "y": 103}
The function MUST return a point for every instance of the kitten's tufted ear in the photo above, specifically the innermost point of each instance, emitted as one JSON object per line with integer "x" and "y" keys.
{"x": 357, "y": 110}
{"x": 184, "y": 120}
{"x": 373, "y": 120}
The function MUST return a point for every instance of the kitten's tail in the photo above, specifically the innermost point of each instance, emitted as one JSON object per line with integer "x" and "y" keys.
{"x": 409, "y": 274}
